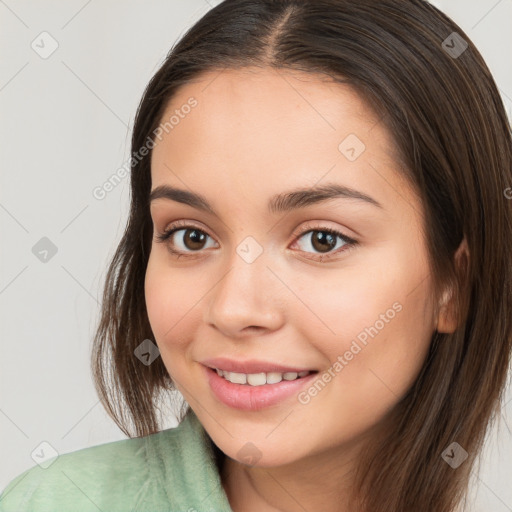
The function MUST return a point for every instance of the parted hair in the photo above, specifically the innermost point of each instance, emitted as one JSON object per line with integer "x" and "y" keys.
{"x": 434, "y": 93}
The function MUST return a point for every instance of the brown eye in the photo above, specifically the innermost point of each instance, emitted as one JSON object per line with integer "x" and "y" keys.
{"x": 323, "y": 241}
{"x": 183, "y": 239}
{"x": 193, "y": 239}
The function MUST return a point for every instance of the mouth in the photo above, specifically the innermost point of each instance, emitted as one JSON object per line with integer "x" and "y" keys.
{"x": 261, "y": 378}
{"x": 256, "y": 391}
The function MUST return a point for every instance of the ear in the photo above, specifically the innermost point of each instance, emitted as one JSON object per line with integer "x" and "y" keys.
{"x": 447, "y": 320}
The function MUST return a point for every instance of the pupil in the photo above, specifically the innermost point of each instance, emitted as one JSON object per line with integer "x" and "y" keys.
{"x": 195, "y": 237}
{"x": 323, "y": 237}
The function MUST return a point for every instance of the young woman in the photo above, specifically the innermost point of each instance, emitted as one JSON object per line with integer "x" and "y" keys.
{"x": 317, "y": 258}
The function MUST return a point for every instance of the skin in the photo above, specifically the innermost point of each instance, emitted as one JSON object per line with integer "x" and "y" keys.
{"x": 253, "y": 134}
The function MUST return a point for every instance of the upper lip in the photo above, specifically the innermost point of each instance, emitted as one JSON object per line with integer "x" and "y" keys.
{"x": 251, "y": 366}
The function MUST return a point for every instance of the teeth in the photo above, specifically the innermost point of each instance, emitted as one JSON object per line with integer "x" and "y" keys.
{"x": 274, "y": 377}
{"x": 239, "y": 378}
{"x": 259, "y": 379}
{"x": 255, "y": 379}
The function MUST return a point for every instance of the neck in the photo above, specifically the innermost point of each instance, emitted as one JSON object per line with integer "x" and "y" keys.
{"x": 319, "y": 482}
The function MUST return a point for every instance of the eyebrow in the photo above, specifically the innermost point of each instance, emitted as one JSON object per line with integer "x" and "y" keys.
{"x": 283, "y": 202}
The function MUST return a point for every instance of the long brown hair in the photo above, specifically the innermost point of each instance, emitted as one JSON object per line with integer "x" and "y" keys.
{"x": 435, "y": 94}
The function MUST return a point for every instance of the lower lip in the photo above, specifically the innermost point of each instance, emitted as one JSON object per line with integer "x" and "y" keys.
{"x": 254, "y": 398}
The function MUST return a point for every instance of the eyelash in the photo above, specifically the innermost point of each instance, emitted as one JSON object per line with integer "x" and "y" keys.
{"x": 350, "y": 243}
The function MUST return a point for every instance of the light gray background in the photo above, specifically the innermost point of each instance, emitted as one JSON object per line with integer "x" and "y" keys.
{"x": 65, "y": 128}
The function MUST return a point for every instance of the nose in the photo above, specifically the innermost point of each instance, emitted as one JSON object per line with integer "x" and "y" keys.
{"x": 248, "y": 297}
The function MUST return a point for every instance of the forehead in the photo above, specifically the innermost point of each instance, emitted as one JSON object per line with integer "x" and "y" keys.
{"x": 260, "y": 124}
{"x": 250, "y": 98}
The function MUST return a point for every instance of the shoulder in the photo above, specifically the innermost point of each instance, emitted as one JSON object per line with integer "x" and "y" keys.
{"x": 102, "y": 477}
{"x": 170, "y": 470}
{"x": 78, "y": 480}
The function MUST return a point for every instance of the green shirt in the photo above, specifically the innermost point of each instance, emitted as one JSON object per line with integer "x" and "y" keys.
{"x": 173, "y": 470}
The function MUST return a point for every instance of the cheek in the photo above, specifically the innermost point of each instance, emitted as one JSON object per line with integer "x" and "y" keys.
{"x": 376, "y": 329}
{"x": 342, "y": 307}
{"x": 169, "y": 302}
{"x": 170, "y": 312}
{"x": 376, "y": 374}
{"x": 157, "y": 301}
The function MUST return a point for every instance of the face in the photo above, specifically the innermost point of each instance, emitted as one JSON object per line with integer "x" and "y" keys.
{"x": 338, "y": 286}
